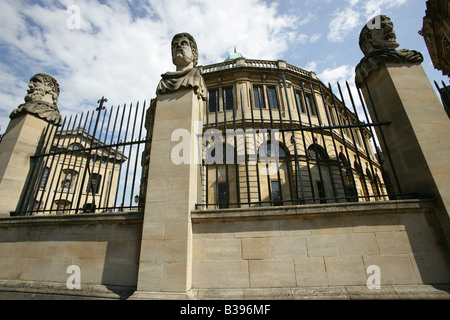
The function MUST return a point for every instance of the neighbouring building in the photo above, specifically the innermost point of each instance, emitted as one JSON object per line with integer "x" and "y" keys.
{"x": 79, "y": 175}
{"x": 436, "y": 32}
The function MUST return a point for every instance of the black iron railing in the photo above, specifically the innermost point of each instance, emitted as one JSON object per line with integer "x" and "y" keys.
{"x": 327, "y": 152}
{"x": 445, "y": 96}
{"x": 90, "y": 163}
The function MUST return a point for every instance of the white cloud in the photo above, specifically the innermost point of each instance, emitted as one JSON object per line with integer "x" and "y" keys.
{"x": 340, "y": 74}
{"x": 373, "y": 8}
{"x": 357, "y": 13}
{"x": 121, "y": 50}
{"x": 302, "y": 38}
{"x": 342, "y": 24}
{"x": 315, "y": 37}
{"x": 305, "y": 38}
{"x": 311, "y": 66}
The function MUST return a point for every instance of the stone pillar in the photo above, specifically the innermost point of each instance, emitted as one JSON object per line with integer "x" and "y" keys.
{"x": 23, "y": 135}
{"x": 172, "y": 192}
{"x": 397, "y": 90}
{"x": 19, "y": 143}
{"x": 419, "y": 136}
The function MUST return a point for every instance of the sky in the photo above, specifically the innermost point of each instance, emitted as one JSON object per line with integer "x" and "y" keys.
{"x": 120, "y": 48}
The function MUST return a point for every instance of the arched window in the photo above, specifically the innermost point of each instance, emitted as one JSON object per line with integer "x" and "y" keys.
{"x": 262, "y": 152}
{"x": 317, "y": 152}
{"x": 227, "y": 157}
{"x": 75, "y": 146}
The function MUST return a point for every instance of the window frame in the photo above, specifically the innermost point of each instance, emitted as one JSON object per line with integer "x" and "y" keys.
{"x": 276, "y": 201}
{"x": 223, "y": 203}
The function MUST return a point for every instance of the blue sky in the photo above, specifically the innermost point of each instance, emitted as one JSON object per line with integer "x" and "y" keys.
{"x": 119, "y": 48}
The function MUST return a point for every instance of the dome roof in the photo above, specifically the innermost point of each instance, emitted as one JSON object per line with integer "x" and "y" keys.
{"x": 235, "y": 55}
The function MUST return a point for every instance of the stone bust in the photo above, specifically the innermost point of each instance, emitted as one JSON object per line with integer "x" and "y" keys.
{"x": 379, "y": 45}
{"x": 41, "y": 99}
{"x": 185, "y": 58}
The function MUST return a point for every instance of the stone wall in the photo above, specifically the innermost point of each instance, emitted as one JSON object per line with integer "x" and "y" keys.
{"x": 236, "y": 253}
{"x": 317, "y": 246}
{"x": 35, "y": 253}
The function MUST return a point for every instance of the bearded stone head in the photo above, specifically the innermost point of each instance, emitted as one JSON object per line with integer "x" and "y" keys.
{"x": 378, "y": 36}
{"x": 42, "y": 87}
{"x": 41, "y": 99}
{"x": 184, "y": 51}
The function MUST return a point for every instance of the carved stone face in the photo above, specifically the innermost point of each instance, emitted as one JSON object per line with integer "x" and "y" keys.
{"x": 378, "y": 38}
{"x": 40, "y": 90}
{"x": 385, "y": 37}
{"x": 182, "y": 54}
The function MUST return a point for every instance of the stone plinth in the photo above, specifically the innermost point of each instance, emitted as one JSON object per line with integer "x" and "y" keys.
{"x": 19, "y": 143}
{"x": 172, "y": 192}
{"x": 419, "y": 136}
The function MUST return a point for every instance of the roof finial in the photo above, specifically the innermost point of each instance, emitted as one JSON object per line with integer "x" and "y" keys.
{"x": 235, "y": 49}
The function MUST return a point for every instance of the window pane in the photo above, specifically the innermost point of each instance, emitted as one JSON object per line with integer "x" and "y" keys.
{"x": 44, "y": 177}
{"x": 276, "y": 193}
{"x": 321, "y": 191}
{"x": 223, "y": 196}
{"x": 298, "y": 100}
{"x": 228, "y": 99}
{"x": 213, "y": 102}
{"x": 309, "y": 105}
{"x": 66, "y": 183}
{"x": 95, "y": 183}
{"x": 272, "y": 97}
{"x": 258, "y": 97}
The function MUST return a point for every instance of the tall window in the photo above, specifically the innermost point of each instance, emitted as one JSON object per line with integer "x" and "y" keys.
{"x": 96, "y": 179}
{"x": 310, "y": 104}
{"x": 258, "y": 97}
{"x": 213, "y": 103}
{"x": 331, "y": 115}
{"x": 321, "y": 191}
{"x": 298, "y": 100}
{"x": 68, "y": 181}
{"x": 305, "y": 103}
{"x": 228, "y": 98}
{"x": 276, "y": 193}
{"x": 272, "y": 97}
{"x": 44, "y": 178}
{"x": 223, "y": 195}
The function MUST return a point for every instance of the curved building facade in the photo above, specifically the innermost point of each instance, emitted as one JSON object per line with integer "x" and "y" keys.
{"x": 274, "y": 134}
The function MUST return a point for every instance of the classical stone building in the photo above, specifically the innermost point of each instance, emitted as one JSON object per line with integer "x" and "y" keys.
{"x": 436, "y": 33}
{"x": 67, "y": 182}
{"x": 259, "y": 181}
{"x": 313, "y": 166}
